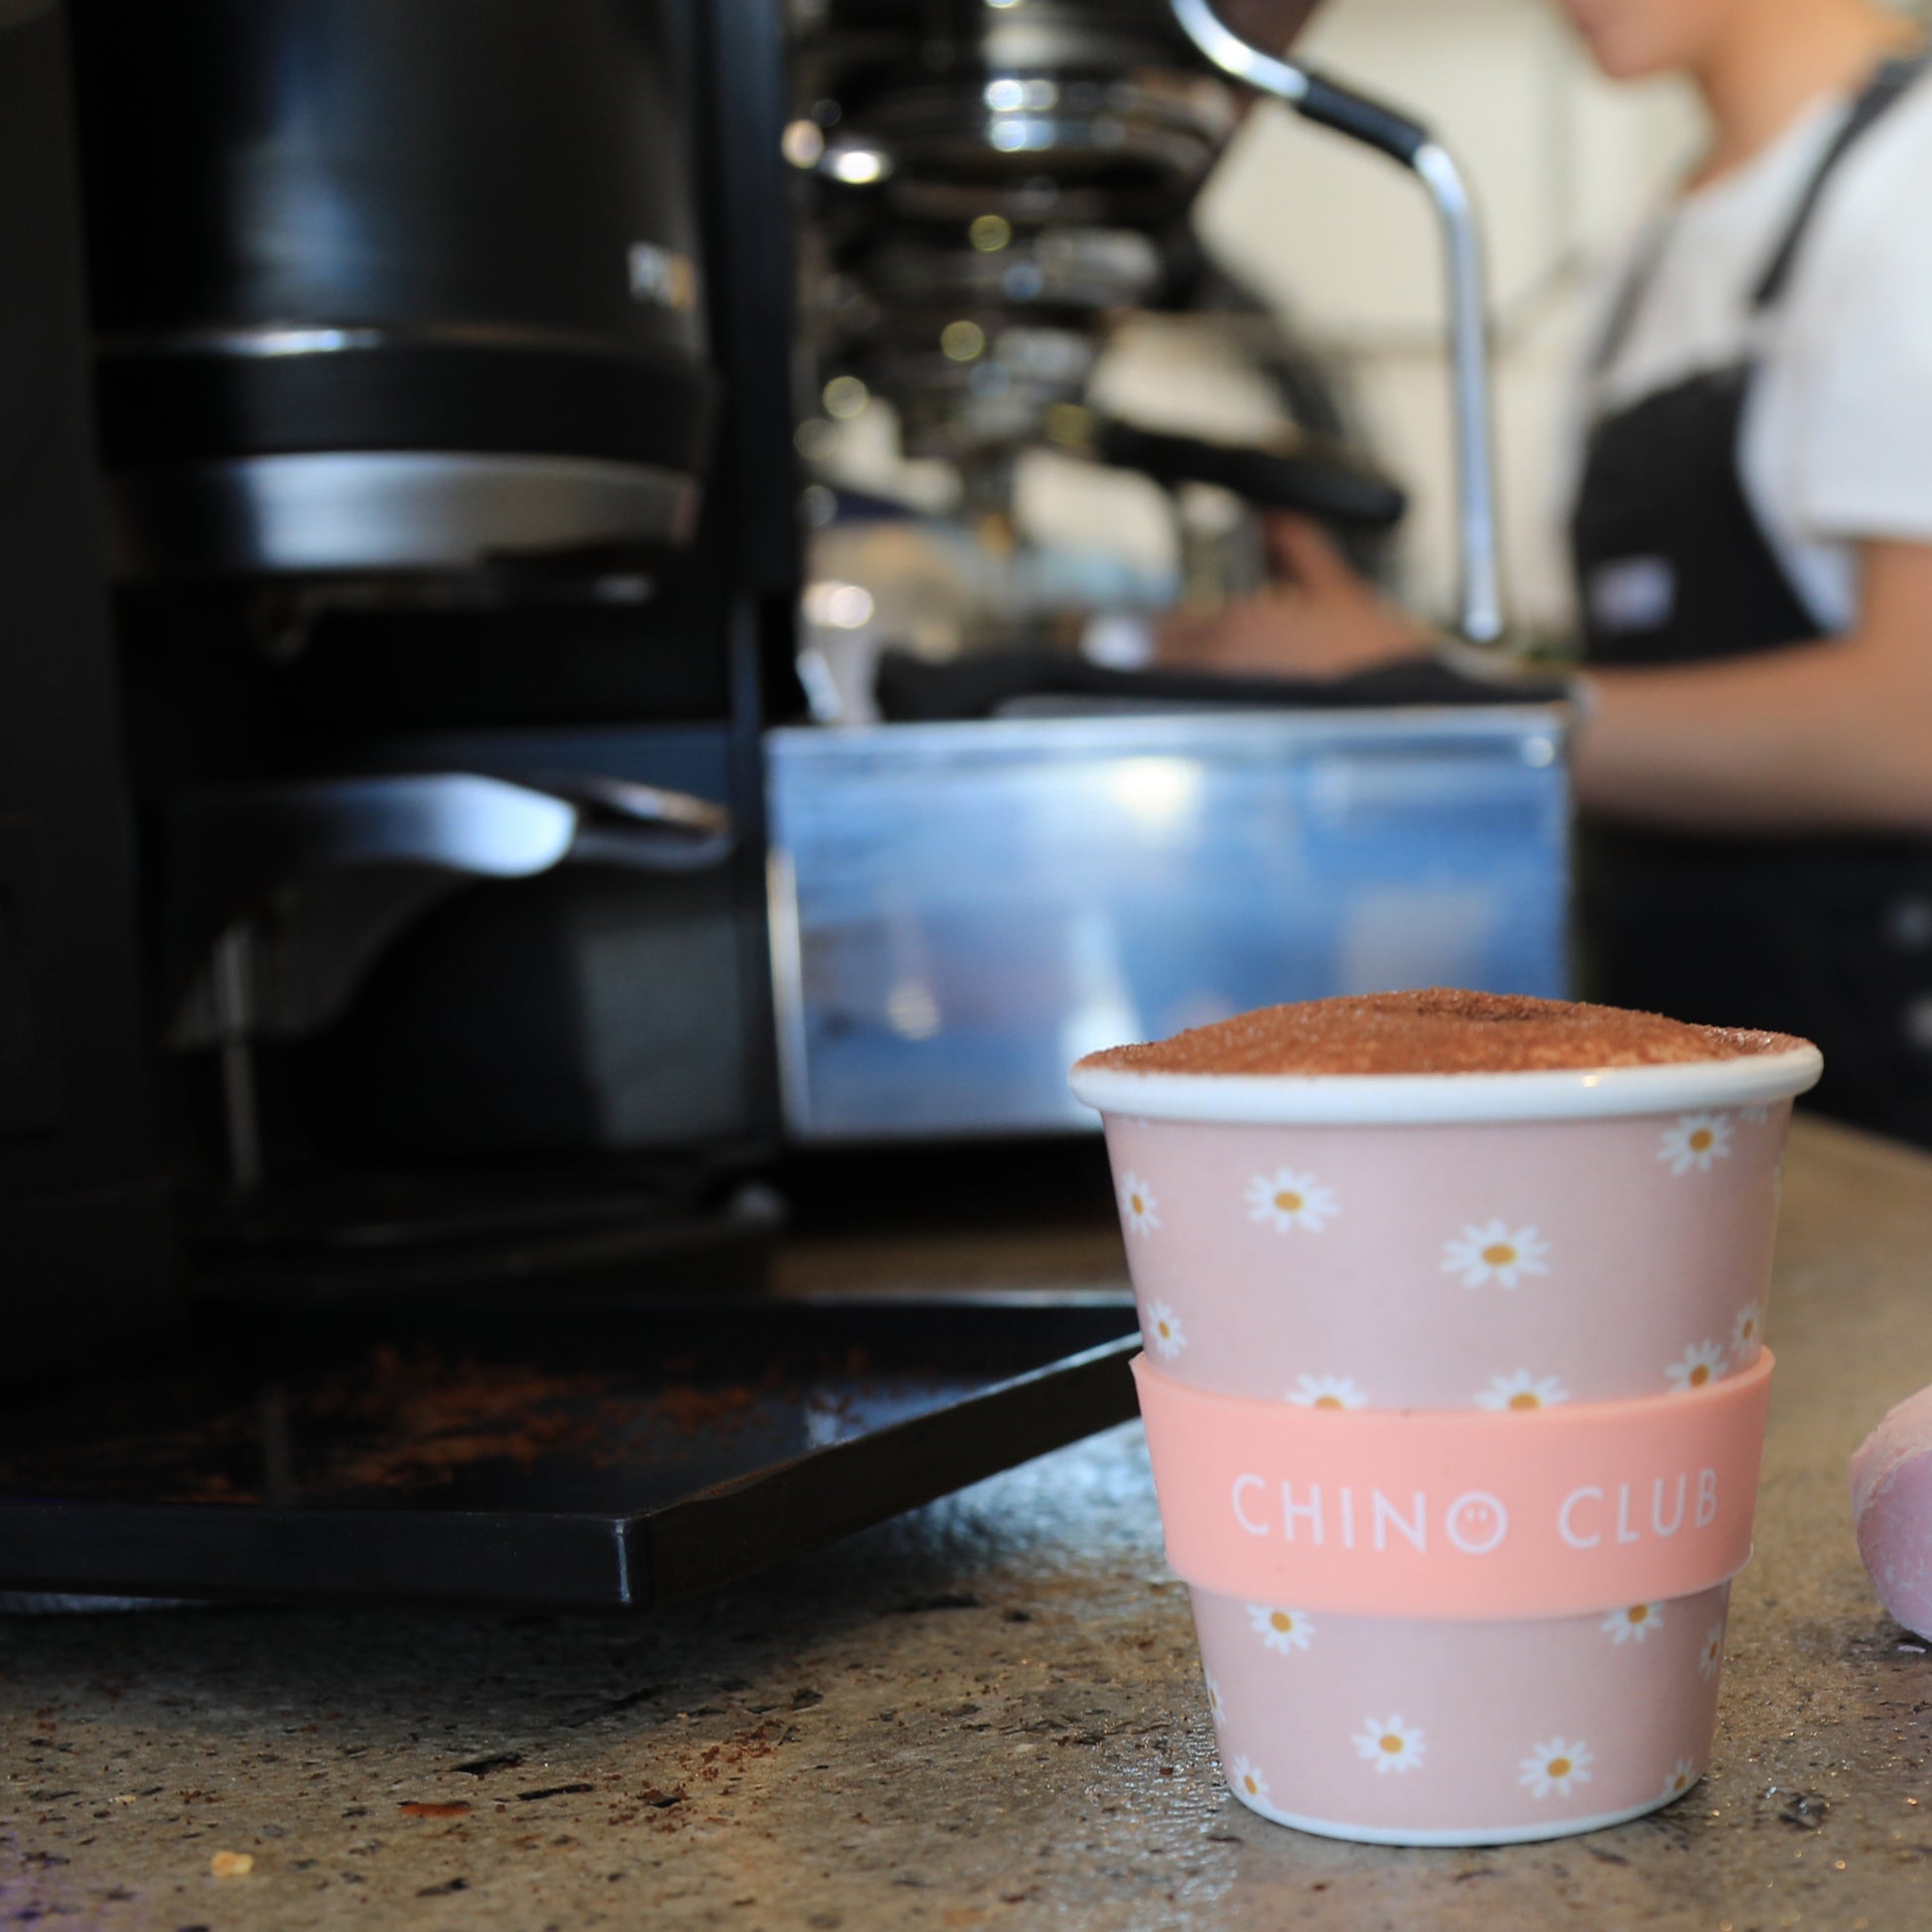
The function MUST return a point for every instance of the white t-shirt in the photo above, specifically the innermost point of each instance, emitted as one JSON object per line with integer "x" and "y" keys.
{"x": 1837, "y": 441}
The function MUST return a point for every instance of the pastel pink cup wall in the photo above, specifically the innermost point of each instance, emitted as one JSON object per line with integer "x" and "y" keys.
{"x": 1455, "y": 1266}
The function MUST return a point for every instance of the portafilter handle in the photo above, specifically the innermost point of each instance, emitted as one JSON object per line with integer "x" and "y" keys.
{"x": 1409, "y": 142}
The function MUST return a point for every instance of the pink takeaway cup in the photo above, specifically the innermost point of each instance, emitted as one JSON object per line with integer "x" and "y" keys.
{"x": 1454, "y": 1393}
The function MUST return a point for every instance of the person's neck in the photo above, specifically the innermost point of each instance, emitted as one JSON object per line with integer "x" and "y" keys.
{"x": 1778, "y": 60}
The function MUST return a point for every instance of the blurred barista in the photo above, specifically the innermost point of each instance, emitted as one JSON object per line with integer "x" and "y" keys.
{"x": 1751, "y": 534}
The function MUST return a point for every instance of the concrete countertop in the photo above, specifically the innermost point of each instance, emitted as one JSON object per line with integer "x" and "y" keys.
{"x": 987, "y": 1714}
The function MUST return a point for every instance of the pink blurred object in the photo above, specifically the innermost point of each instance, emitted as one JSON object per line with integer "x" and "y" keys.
{"x": 1891, "y": 1505}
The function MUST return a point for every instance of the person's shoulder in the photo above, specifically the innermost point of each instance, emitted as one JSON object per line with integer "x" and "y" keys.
{"x": 1905, "y": 128}
{"x": 1854, "y": 357}
{"x": 1880, "y": 203}
{"x": 1865, "y": 262}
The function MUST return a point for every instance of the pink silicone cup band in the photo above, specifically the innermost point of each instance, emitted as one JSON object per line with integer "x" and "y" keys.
{"x": 1448, "y": 1513}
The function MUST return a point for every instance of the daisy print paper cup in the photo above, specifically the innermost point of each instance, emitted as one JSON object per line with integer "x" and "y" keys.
{"x": 1455, "y": 1389}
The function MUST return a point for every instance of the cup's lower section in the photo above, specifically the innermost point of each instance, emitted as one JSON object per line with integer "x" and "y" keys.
{"x": 1524, "y": 1835}
{"x": 1406, "y": 1732}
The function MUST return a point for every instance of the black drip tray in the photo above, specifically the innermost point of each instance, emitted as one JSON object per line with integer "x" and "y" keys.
{"x": 597, "y": 1452}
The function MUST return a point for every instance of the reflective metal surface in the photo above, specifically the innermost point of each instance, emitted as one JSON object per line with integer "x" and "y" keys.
{"x": 1033, "y": 148}
{"x": 1058, "y": 267}
{"x": 1482, "y": 620}
{"x": 989, "y": 171}
{"x": 322, "y": 511}
{"x": 1481, "y": 601}
{"x": 959, "y": 911}
{"x": 325, "y": 874}
{"x": 335, "y": 243}
{"x": 955, "y": 410}
{"x": 1082, "y": 110}
{"x": 317, "y": 339}
{"x": 1234, "y": 54}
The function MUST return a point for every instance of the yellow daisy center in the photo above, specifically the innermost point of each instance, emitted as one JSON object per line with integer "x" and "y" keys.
{"x": 1499, "y": 1254}
{"x": 1282, "y": 1621}
{"x": 1288, "y": 1201}
{"x": 1327, "y": 1402}
{"x": 1700, "y": 1375}
{"x": 1748, "y": 1329}
{"x": 1639, "y": 1613}
{"x": 1253, "y": 1783}
{"x": 1166, "y": 1334}
{"x": 1558, "y": 1767}
{"x": 1525, "y": 1398}
{"x": 1702, "y": 1140}
{"x": 1137, "y": 1204}
{"x": 1390, "y": 1742}
{"x": 1680, "y": 1782}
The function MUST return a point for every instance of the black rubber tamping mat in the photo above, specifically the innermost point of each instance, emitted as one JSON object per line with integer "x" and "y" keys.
{"x": 595, "y": 1453}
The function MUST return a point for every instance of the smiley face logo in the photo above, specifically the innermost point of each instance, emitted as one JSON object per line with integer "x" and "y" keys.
{"x": 1477, "y": 1522}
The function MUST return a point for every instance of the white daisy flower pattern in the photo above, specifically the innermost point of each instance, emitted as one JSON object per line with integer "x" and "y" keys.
{"x": 1694, "y": 1142}
{"x": 1556, "y": 1767}
{"x": 1682, "y": 1774}
{"x": 1710, "y": 1656}
{"x": 1633, "y": 1623}
{"x": 1700, "y": 1364}
{"x": 1287, "y": 1199}
{"x": 1495, "y": 1252}
{"x": 1754, "y": 1116}
{"x": 1285, "y": 1630}
{"x": 1389, "y": 1744}
{"x": 1522, "y": 1390}
{"x": 1138, "y": 1207}
{"x": 1217, "y": 1704}
{"x": 1244, "y": 1776}
{"x": 1747, "y": 1333}
{"x": 1327, "y": 1392}
{"x": 1163, "y": 1332}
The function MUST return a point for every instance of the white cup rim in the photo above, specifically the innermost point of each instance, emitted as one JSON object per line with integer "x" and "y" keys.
{"x": 1427, "y": 1099}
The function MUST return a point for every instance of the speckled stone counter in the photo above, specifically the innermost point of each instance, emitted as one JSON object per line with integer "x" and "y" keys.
{"x": 984, "y": 1714}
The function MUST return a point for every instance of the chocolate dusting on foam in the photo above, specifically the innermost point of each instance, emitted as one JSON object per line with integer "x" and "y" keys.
{"x": 1440, "y": 1030}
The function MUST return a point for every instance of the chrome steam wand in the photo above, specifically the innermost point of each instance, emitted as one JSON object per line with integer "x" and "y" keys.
{"x": 1406, "y": 141}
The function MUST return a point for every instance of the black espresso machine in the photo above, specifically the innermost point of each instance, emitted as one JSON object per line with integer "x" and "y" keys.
{"x": 384, "y": 841}
{"x": 400, "y": 512}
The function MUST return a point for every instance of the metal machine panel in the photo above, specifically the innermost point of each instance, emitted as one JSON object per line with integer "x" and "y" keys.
{"x": 961, "y": 911}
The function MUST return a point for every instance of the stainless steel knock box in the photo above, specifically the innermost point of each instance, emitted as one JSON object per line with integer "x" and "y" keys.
{"x": 960, "y": 910}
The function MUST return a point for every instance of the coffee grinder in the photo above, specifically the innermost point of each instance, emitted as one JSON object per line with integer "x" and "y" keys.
{"x": 445, "y": 364}
{"x": 446, "y": 439}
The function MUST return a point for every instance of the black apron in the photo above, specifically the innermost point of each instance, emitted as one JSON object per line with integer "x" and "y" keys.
{"x": 1830, "y": 937}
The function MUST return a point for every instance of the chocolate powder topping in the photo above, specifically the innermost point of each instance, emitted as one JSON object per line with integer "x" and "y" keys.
{"x": 1440, "y": 1030}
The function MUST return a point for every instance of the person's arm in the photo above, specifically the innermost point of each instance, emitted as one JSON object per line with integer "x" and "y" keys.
{"x": 1835, "y": 736}
{"x": 1317, "y": 618}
